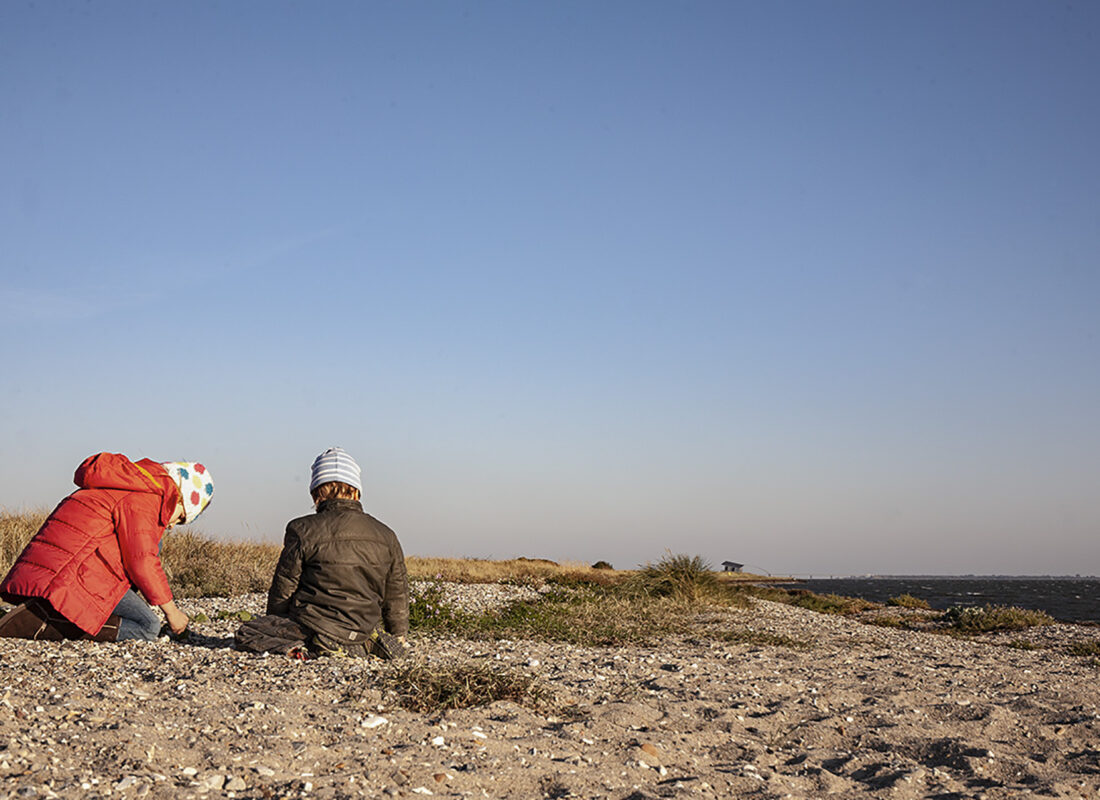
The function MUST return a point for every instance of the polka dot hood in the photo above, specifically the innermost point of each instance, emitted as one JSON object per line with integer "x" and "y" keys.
{"x": 195, "y": 484}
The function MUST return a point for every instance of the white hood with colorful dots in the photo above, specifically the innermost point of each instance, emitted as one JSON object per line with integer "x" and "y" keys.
{"x": 196, "y": 486}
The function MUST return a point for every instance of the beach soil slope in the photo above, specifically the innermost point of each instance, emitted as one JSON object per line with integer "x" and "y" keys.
{"x": 861, "y": 711}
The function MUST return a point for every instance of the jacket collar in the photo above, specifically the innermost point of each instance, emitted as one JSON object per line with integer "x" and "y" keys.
{"x": 338, "y": 504}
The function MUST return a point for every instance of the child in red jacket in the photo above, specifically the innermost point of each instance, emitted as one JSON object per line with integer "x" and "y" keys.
{"x": 77, "y": 577}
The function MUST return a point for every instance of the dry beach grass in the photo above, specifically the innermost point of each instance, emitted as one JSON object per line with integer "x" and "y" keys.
{"x": 660, "y": 683}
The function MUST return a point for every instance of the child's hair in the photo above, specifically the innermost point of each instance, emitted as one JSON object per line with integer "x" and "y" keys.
{"x": 334, "y": 489}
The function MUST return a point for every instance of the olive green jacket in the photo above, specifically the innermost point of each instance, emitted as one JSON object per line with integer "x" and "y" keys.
{"x": 340, "y": 574}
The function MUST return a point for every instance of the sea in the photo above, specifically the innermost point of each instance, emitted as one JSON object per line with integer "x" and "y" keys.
{"x": 1067, "y": 599}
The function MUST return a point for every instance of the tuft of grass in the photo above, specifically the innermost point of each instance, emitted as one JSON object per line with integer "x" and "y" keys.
{"x": 683, "y": 577}
{"x": 908, "y": 601}
{"x": 201, "y": 567}
{"x": 983, "y": 619}
{"x": 422, "y": 688}
{"x": 1089, "y": 648}
{"x": 1022, "y": 644}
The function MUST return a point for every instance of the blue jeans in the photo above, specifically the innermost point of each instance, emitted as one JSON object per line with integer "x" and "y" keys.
{"x": 136, "y": 619}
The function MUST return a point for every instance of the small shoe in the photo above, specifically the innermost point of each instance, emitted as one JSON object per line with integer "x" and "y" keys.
{"x": 22, "y": 623}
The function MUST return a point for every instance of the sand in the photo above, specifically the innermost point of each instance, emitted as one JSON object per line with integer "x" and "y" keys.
{"x": 864, "y": 711}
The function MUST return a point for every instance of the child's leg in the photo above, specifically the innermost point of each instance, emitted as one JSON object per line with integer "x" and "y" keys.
{"x": 136, "y": 619}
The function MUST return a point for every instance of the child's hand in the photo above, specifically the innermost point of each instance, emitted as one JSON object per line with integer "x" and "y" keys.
{"x": 177, "y": 620}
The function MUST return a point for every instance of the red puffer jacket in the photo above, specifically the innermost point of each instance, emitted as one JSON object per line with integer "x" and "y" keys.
{"x": 99, "y": 540}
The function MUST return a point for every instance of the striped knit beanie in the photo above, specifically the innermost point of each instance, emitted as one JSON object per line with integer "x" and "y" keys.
{"x": 335, "y": 465}
{"x": 195, "y": 484}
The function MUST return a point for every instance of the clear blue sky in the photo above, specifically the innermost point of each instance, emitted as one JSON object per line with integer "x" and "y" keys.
{"x": 810, "y": 286}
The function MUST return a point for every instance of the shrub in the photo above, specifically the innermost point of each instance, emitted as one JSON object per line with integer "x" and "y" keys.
{"x": 908, "y": 601}
{"x": 986, "y": 618}
{"x": 602, "y": 565}
{"x": 422, "y": 688}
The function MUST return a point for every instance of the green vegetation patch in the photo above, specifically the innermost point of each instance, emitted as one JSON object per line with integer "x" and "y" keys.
{"x": 908, "y": 601}
{"x": 423, "y": 688}
{"x": 1089, "y": 648}
{"x": 587, "y": 615}
{"x": 429, "y": 610}
{"x": 590, "y": 617}
{"x": 241, "y": 615}
{"x": 988, "y": 618}
{"x": 829, "y": 603}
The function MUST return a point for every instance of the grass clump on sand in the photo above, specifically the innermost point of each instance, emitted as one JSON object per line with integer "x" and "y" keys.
{"x": 683, "y": 577}
{"x": 988, "y": 618}
{"x": 422, "y": 688}
{"x": 908, "y": 601}
{"x": 1089, "y": 648}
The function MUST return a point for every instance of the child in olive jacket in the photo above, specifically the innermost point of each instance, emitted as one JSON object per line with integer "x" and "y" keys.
{"x": 341, "y": 574}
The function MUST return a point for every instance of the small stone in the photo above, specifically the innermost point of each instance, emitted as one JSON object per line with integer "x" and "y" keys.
{"x": 439, "y": 777}
{"x": 267, "y": 772}
{"x": 213, "y": 782}
{"x": 439, "y": 741}
{"x": 235, "y": 784}
{"x": 125, "y": 783}
{"x": 189, "y": 771}
{"x": 373, "y": 721}
{"x": 651, "y": 749}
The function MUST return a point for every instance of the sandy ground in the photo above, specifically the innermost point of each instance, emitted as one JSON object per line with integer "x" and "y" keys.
{"x": 864, "y": 711}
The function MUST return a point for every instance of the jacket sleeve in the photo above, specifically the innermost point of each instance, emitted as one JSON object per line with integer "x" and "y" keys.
{"x": 395, "y": 605}
{"x": 137, "y": 526}
{"x": 287, "y": 574}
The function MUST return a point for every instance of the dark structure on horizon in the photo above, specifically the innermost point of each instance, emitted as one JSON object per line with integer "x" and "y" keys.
{"x": 731, "y": 566}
